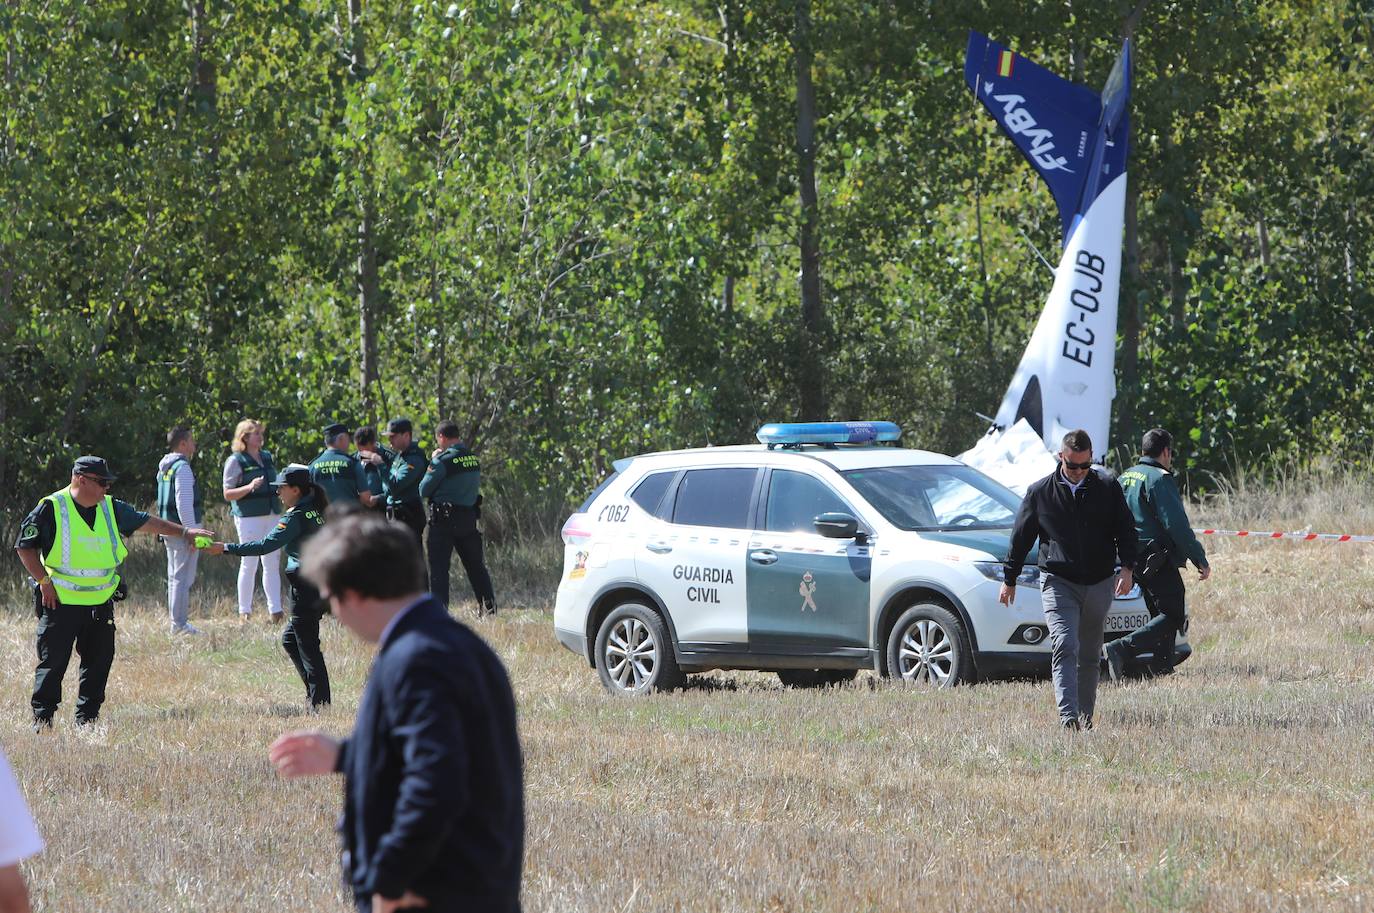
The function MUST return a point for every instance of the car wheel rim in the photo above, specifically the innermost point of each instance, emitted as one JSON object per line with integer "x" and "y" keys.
{"x": 925, "y": 654}
{"x": 631, "y": 654}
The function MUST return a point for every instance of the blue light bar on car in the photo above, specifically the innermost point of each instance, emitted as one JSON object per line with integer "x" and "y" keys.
{"x": 797, "y": 433}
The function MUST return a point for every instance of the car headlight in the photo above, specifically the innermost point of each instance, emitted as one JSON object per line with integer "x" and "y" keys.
{"x": 1030, "y": 575}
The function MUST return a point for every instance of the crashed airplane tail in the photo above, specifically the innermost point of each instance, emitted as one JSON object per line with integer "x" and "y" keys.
{"x": 1077, "y": 142}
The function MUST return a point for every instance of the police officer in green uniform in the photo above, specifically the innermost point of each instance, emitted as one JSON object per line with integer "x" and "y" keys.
{"x": 452, "y": 484}
{"x": 376, "y": 461}
{"x": 1167, "y": 543}
{"x": 305, "y": 502}
{"x": 70, "y": 544}
{"x": 408, "y": 465}
{"x": 337, "y": 472}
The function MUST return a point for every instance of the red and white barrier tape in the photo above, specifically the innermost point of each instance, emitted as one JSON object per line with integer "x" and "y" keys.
{"x": 1306, "y": 537}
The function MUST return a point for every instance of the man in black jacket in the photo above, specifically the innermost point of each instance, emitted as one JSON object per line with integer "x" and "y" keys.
{"x": 433, "y": 796}
{"x": 1083, "y": 525}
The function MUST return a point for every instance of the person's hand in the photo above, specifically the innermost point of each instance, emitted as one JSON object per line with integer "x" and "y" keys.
{"x": 257, "y": 483}
{"x": 14, "y": 893}
{"x": 407, "y": 901}
{"x": 304, "y": 754}
{"x": 435, "y": 454}
{"x": 1006, "y": 595}
{"x": 216, "y": 548}
{"x": 1204, "y": 572}
{"x": 49, "y": 594}
{"x": 1124, "y": 582}
{"x": 193, "y": 532}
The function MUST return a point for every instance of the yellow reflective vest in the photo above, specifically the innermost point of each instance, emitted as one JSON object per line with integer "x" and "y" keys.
{"x": 84, "y": 560}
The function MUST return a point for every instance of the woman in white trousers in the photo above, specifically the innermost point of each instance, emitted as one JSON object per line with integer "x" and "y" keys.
{"x": 256, "y": 510}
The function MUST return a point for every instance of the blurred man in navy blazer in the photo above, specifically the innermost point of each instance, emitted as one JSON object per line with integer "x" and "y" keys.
{"x": 433, "y": 798}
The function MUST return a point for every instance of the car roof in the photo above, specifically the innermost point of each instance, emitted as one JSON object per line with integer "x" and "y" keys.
{"x": 841, "y": 458}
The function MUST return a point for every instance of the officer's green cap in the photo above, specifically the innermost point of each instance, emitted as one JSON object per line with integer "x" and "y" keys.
{"x": 399, "y": 426}
{"x": 295, "y": 475}
{"x": 93, "y": 466}
{"x": 334, "y": 430}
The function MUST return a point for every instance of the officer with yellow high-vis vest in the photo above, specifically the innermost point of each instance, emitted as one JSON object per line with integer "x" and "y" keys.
{"x": 71, "y": 546}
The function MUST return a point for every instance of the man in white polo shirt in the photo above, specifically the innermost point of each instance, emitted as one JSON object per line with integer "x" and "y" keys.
{"x": 18, "y": 841}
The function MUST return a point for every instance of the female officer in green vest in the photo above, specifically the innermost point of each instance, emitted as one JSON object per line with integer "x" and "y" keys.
{"x": 248, "y": 475}
{"x": 305, "y": 506}
{"x": 70, "y": 544}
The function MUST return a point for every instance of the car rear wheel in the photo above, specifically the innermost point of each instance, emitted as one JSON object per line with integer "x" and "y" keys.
{"x": 634, "y": 654}
{"x": 815, "y": 678}
{"x": 929, "y": 647}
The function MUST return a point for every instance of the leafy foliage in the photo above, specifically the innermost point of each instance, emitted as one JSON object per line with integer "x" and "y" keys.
{"x": 586, "y": 216}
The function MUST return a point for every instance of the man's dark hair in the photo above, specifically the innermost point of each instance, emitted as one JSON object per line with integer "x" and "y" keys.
{"x": 362, "y": 552}
{"x": 177, "y": 436}
{"x": 1156, "y": 441}
{"x": 447, "y": 429}
{"x": 365, "y": 435}
{"x": 1078, "y": 441}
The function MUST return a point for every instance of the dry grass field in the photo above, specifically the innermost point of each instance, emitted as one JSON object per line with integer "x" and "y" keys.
{"x": 1242, "y": 783}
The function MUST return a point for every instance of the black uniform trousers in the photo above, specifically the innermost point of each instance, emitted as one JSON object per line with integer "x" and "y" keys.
{"x": 1164, "y": 594}
{"x": 91, "y": 630}
{"x": 454, "y": 529}
{"x": 412, "y": 514}
{"x": 301, "y": 639}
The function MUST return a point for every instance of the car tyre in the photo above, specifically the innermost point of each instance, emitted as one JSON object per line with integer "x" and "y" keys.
{"x": 634, "y": 654}
{"x": 929, "y": 647}
{"x": 815, "y": 678}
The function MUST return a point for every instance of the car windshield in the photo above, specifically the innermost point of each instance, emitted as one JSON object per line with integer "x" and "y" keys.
{"x": 936, "y": 497}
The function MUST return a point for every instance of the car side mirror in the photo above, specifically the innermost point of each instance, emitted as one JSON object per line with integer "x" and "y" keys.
{"x": 837, "y": 526}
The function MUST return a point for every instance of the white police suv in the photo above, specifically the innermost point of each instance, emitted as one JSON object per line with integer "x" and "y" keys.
{"x": 823, "y": 550}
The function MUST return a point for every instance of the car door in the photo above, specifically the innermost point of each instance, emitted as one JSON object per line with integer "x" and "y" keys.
{"x": 806, "y": 593}
{"x": 693, "y": 557}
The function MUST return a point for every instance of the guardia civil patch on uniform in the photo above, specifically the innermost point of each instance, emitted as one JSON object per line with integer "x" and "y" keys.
{"x": 30, "y": 532}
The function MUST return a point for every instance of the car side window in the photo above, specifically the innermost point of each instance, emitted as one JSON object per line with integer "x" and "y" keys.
{"x": 650, "y": 490}
{"x": 795, "y": 499}
{"x": 715, "y": 497}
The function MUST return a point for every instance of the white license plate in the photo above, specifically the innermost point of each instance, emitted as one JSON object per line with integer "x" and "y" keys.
{"x": 1128, "y": 621}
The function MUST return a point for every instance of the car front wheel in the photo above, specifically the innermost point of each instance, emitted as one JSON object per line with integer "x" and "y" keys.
{"x": 634, "y": 654}
{"x": 928, "y": 647}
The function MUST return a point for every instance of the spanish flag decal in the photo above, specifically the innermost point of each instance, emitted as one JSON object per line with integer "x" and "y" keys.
{"x": 1004, "y": 65}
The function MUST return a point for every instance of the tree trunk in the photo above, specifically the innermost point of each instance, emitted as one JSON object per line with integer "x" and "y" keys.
{"x": 1263, "y": 229}
{"x": 1128, "y": 300}
{"x": 367, "y": 305}
{"x": 7, "y": 153}
{"x": 203, "y": 77}
{"x": 983, "y": 271}
{"x": 1178, "y": 283}
{"x": 1130, "y": 322}
{"x": 812, "y": 365}
{"x": 728, "y": 18}
{"x": 366, "y": 273}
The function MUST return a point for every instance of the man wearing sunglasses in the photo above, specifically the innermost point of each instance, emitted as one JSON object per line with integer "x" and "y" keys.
{"x": 71, "y": 546}
{"x": 1083, "y": 525}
